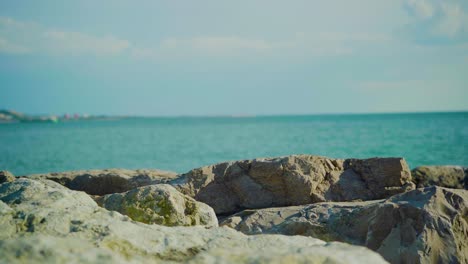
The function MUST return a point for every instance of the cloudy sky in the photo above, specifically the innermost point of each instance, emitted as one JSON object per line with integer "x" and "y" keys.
{"x": 253, "y": 57}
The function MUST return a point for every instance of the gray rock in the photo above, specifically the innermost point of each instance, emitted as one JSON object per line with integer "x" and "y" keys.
{"x": 48, "y": 223}
{"x": 294, "y": 180}
{"x": 101, "y": 182}
{"x": 51, "y": 249}
{"x": 160, "y": 204}
{"x": 444, "y": 176}
{"x": 6, "y": 176}
{"x": 421, "y": 226}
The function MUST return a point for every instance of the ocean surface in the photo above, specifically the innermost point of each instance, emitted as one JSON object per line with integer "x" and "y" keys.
{"x": 182, "y": 143}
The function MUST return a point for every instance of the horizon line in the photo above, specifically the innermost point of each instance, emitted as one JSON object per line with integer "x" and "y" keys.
{"x": 246, "y": 115}
{"x": 292, "y": 114}
{"x": 254, "y": 115}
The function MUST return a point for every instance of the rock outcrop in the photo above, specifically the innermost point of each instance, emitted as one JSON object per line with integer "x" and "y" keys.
{"x": 230, "y": 187}
{"x": 444, "y": 176}
{"x": 427, "y": 225}
{"x": 160, "y": 204}
{"x": 101, "y": 182}
{"x": 43, "y": 222}
{"x": 6, "y": 176}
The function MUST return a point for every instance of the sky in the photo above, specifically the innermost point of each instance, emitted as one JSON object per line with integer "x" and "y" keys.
{"x": 243, "y": 57}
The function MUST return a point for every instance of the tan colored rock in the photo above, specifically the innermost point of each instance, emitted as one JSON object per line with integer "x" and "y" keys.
{"x": 444, "y": 176}
{"x": 160, "y": 204}
{"x": 52, "y": 249}
{"x": 101, "y": 182}
{"x": 7, "y": 227}
{"x": 49, "y": 223}
{"x": 421, "y": 226}
{"x": 6, "y": 176}
{"x": 294, "y": 180}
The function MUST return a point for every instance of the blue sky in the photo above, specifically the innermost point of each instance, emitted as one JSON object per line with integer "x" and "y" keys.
{"x": 243, "y": 57}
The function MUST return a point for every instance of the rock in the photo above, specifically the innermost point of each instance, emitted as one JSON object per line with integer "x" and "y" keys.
{"x": 160, "y": 204}
{"x": 101, "y": 182}
{"x": 50, "y": 249}
{"x": 6, "y": 176}
{"x": 294, "y": 180}
{"x": 45, "y": 222}
{"x": 427, "y": 225}
{"x": 282, "y": 249}
{"x": 6, "y": 221}
{"x": 444, "y": 176}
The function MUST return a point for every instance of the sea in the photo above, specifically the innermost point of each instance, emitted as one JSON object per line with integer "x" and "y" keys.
{"x": 182, "y": 143}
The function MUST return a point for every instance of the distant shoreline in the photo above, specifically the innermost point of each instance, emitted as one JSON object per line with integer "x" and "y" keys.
{"x": 8, "y": 116}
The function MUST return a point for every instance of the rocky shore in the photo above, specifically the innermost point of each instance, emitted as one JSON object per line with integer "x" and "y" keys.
{"x": 294, "y": 209}
{"x": 10, "y": 116}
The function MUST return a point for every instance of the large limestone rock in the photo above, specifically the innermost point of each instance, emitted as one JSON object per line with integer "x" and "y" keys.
{"x": 160, "y": 204}
{"x": 6, "y": 176}
{"x": 44, "y": 222}
{"x": 444, "y": 176}
{"x": 51, "y": 249}
{"x": 294, "y": 180}
{"x": 101, "y": 182}
{"x": 422, "y": 226}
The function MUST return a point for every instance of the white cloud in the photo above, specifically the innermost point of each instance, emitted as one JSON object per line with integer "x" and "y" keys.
{"x": 454, "y": 20}
{"x": 10, "y": 48}
{"x": 216, "y": 44}
{"x": 421, "y": 8}
{"x": 78, "y": 43}
{"x": 300, "y": 44}
{"x": 18, "y": 37}
{"x": 211, "y": 46}
{"x": 144, "y": 53}
{"x": 436, "y": 19}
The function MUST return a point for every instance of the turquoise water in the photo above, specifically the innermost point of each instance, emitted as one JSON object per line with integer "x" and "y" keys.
{"x": 179, "y": 144}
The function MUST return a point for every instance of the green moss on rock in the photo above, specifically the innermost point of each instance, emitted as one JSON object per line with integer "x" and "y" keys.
{"x": 160, "y": 204}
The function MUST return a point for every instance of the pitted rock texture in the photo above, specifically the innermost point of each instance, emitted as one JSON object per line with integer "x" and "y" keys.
{"x": 444, "y": 176}
{"x": 160, "y": 204}
{"x": 44, "y": 222}
{"x": 427, "y": 225}
{"x": 6, "y": 176}
{"x": 230, "y": 187}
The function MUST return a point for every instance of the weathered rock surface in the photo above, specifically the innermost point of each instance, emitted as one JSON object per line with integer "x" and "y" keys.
{"x": 294, "y": 180}
{"x": 101, "y": 182}
{"x": 44, "y": 222}
{"x": 427, "y": 225}
{"x": 6, "y": 176}
{"x": 444, "y": 176}
{"x": 160, "y": 204}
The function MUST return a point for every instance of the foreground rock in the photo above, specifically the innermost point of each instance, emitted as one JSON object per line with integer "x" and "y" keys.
{"x": 444, "y": 176}
{"x": 294, "y": 180}
{"x": 101, "y": 182}
{"x": 422, "y": 226}
{"x": 6, "y": 176}
{"x": 43, "y": 222}
{"x": 160, "y": 204}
